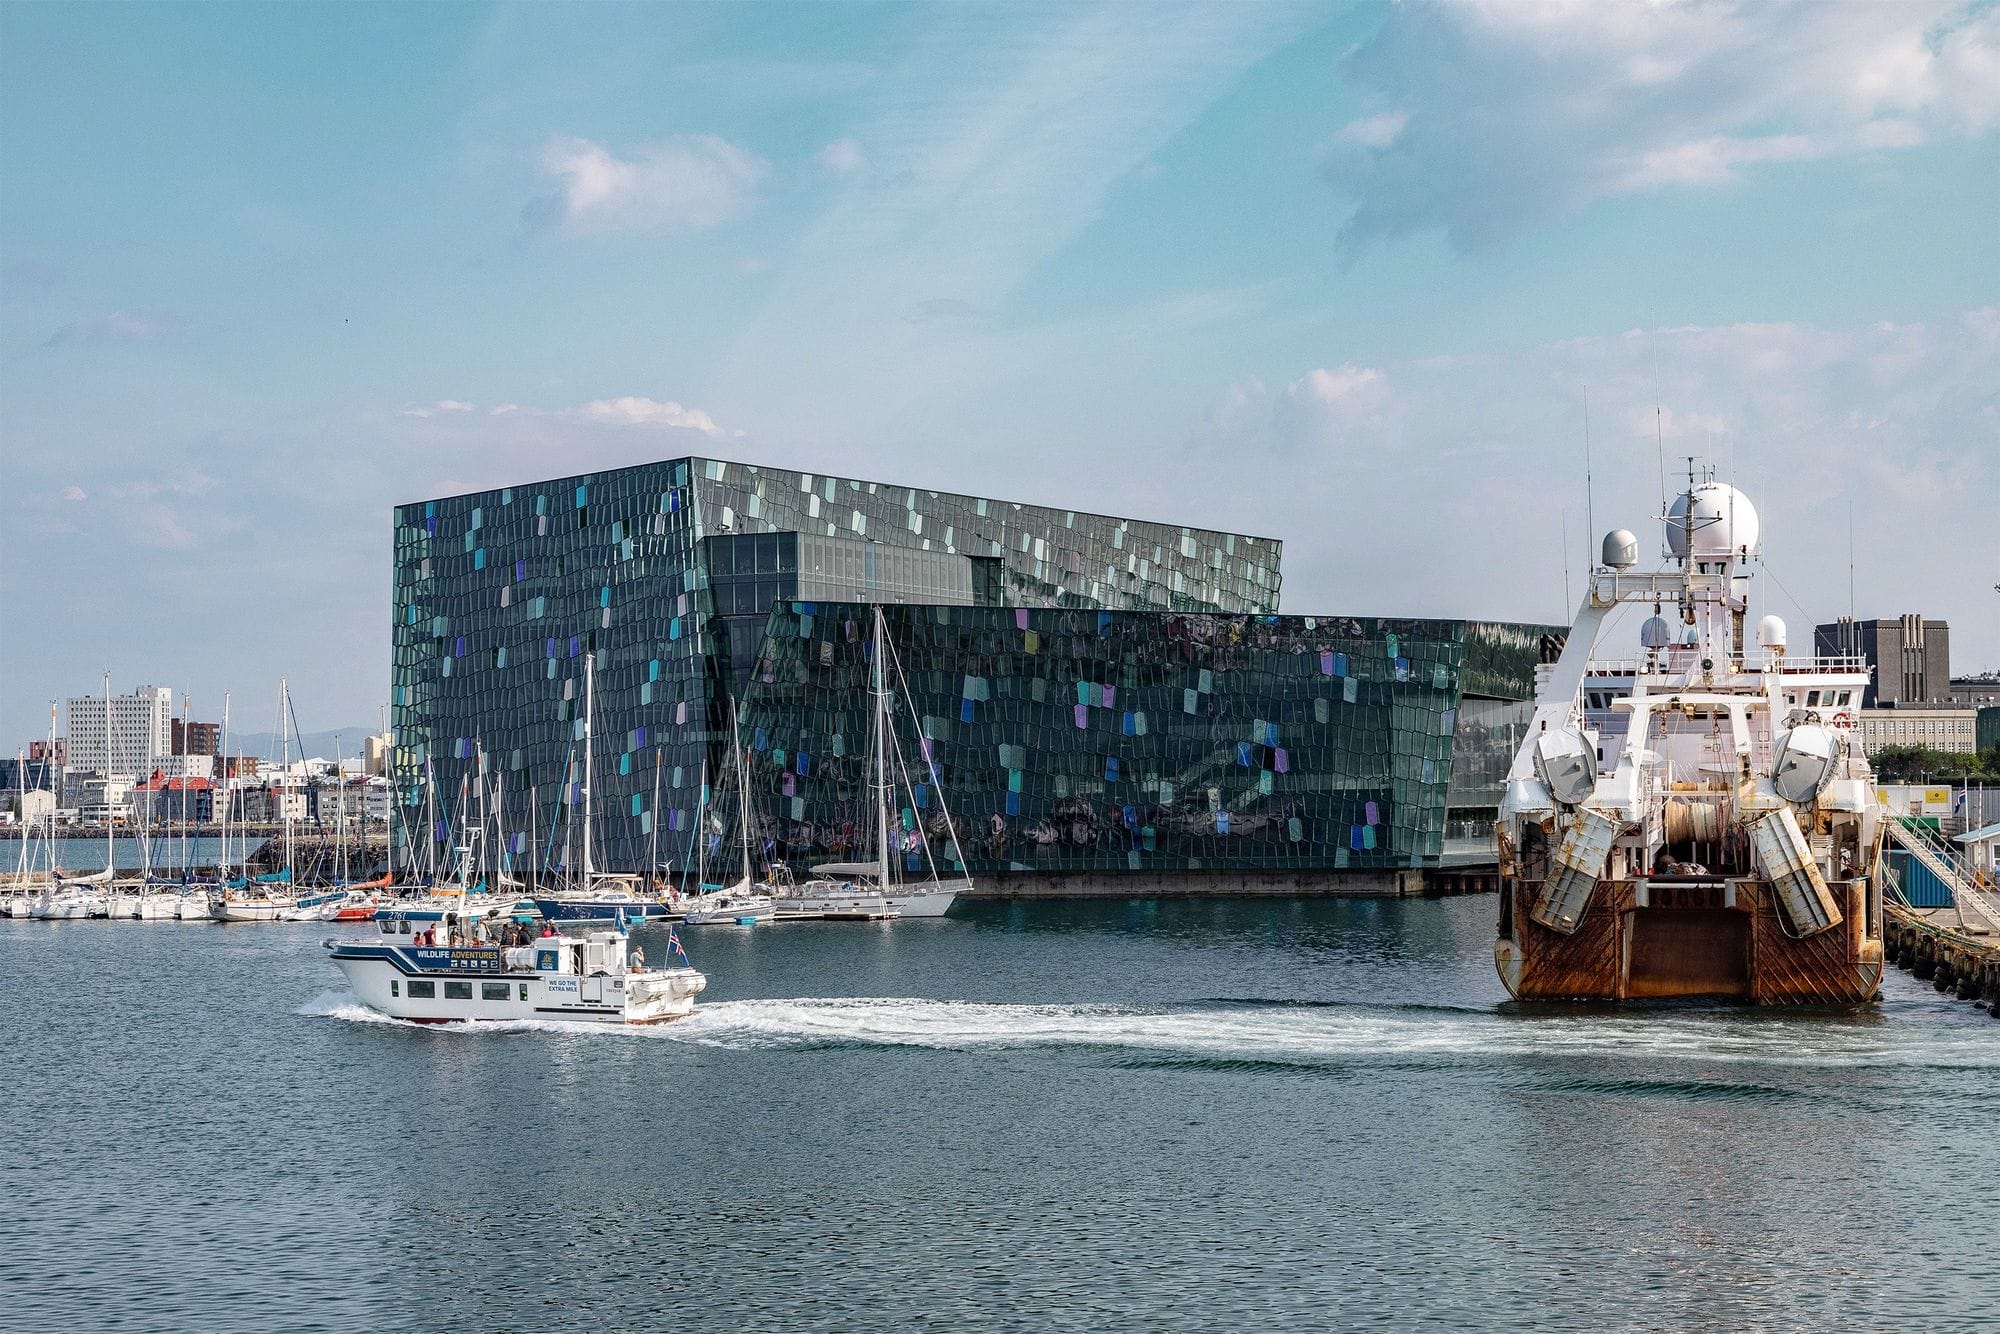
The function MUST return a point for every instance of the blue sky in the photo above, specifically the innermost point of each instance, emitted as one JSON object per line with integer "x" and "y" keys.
{"x": 1336, "y": 274}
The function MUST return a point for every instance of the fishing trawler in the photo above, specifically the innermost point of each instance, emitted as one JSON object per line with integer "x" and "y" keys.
{"x": 591, "y": 978}
{"x": 1698, "y": 821}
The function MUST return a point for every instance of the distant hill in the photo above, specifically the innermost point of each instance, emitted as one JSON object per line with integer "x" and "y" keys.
{"x": 317, "y": 745}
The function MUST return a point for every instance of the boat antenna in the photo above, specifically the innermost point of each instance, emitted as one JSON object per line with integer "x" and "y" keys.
{"x": 1569, "y": 607}
{"x": 1589, "y": 496}
{"x": 1850, "y": 563}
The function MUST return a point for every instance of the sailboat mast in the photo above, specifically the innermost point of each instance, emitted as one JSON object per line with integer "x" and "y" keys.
{"x": 110, "y": 854}
{"x": 222, "y": 869}
{"x": 742, "y": 758}
{"x": 653, "y": 829}
{"x": 881, "y": 757}
{"x": 285, "y": 772}
{"x": 589, "y": 701}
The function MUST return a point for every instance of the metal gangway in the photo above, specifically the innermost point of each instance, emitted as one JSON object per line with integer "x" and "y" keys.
{"x": 1936, "y": 856}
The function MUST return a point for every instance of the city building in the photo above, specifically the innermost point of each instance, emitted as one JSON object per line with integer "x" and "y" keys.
{"x": 375, "y": 753}
{"x": 1909, "y": 655}
{"x": 1947, "y": 728}
{"x": 96, "y": 798}
{"x": 122, "y": 735}
{"x": 164, "y": 801}
{"x": 1323, "y": 745}
{"x": 1076, "y": 747}
{"x": 191, "y": 738}
{"x": 196, "y": 764}
{"x": 1976, "y": 691}
{"x": 54, "y": 752}
{"x": 17, "y": 775}
{"x": 31, "y": 807}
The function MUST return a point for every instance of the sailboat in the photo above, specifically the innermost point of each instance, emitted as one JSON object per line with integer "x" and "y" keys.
{"x": 596, "y": 896}
{"x": 858, "y": 887}
{"x": 260, "y": 900}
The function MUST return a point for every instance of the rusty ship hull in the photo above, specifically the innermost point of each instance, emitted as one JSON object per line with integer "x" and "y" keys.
{"x": 1692, "y": 938}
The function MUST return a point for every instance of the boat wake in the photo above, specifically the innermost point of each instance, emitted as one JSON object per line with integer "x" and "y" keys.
{"x": 1319, "y": 1034}
{"x": 1266, "y": 1035}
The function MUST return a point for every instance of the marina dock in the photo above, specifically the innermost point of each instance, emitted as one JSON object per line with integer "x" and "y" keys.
{"x": 1954, "y": 945}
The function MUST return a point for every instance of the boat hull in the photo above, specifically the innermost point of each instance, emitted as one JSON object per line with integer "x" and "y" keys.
{"x": 934, "y": 903}
{"x": 247, "y": 910}
{"x": 1720, "y": 940}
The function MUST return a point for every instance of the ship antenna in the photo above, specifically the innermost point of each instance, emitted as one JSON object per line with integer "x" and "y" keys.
{"x": 1569, "y": 607}
{"x": 1589, "y": 498}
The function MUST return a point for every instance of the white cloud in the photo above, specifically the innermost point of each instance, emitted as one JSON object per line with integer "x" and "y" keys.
{"x": 843, "y": 156}
{"x": 996, "y": 139}
{"x": 1375, "y": 131}
{"x": 1510, "y": 110}
{"x": 75, "y": 493}
{"x": 635, "y": 411}
{"x": 687, "y": 183}
{"x": 1478, "y": 456}
{"x": 433, "y": 409}
{"x": 120, "y": 326}
{"x": 1346, "y": 384}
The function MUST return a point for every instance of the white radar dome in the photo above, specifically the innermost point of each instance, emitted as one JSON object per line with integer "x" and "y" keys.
{"x": 1721, "y": 521}
{"x": 1656, "y": 633}
{"x": 1621, "y": 549}
{"x": 1771, "y": 633}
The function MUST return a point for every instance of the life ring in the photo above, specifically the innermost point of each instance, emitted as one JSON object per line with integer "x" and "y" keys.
{"x": 1844, "y": 720}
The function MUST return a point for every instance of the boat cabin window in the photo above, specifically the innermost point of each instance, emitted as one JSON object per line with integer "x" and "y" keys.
{"x": 493, "y": 991}
{"x": 524, "y": 991}
{"x": 1812, "y": 699}
{"x": 423, "y": 990}
{"x": 395, "y": 988}
{"x": 458, "y": 991}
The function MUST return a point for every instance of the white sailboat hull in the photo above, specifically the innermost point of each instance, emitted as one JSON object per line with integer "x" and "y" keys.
{"x": 247, "y": 910}
{"x": 156, "y": 907}
{"x": 193, "y": 908}
{"x": 933, "y": 902}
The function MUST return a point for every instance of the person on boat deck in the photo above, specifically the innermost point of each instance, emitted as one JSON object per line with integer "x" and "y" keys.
{"x": 548, "y": 929}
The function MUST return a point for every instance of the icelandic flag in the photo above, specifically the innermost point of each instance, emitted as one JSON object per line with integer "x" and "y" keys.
{"x": 674, "y": 946}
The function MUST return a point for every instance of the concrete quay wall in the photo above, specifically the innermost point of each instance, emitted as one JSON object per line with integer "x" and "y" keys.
{"x": 1198, "y": 884}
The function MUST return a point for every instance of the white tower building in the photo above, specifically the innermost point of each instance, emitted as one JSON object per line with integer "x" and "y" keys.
{"x": 124, "y": 735}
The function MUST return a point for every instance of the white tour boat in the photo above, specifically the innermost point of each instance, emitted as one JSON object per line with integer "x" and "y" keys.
{"x": 585, "y": 978}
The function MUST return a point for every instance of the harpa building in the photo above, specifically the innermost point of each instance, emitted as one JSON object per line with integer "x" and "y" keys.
{"x": 1105, "y": 700}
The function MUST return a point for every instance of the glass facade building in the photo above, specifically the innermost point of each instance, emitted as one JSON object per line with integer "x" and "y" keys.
{"x": 1073, "y": 741}
{"x": 668, "y": 573}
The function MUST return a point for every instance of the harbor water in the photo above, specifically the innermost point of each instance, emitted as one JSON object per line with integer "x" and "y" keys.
{"x": 1101, "y": 1116}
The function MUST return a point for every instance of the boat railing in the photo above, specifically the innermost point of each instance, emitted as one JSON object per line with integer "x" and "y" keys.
{"x": 1633, "y": 667}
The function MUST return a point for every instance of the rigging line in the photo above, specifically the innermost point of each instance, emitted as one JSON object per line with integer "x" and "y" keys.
{"x": 930, "y": 760}
{"x": 1780, "y": 585}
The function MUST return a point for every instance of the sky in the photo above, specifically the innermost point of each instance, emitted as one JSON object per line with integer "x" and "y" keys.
{"x": 1427, "y": 291}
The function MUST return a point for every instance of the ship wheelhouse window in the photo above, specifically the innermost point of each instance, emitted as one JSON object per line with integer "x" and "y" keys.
{"x": 423, "y": 990}
{"x": 493, "y": 991}
{"x": 458, "y": 991}
{"x": 395, "y": 988}
{"x": 1812, "y": 699}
